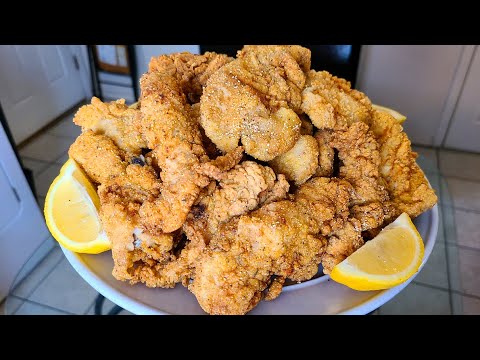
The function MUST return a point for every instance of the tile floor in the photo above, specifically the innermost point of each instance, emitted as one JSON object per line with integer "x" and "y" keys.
{"x": 448, "y": 284}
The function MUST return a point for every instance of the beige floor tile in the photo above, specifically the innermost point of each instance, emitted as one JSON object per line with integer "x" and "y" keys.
{"x": 418, "y": 300}
{"x": 45, "y": 248}
{"x": 435, "y": 270}
{"x": 10, "y": 305}
{"x": 467, "y": 226}
{"x": 36, "y": 166}
{"x": 64, "y": 289}
{"x": 43, "y": 181}
{"x": 66, "y": 128}
{"x": 461, "y": 164}
{"x": 26, "y": 287}
{"x": 29, "y": 308}
{"x": 427, "y": 158}
{"x": 464, "y": 194}
{"x": 46, "y": 147}
{"x": 469, "y": 263}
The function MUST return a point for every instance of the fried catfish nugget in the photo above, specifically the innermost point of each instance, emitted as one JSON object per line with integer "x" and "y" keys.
{"x": 239, "y": 191}
{"x": 98, "y": 156}
{"x": 408, "y": 187}
{"x": 175, "y": 138}
{"x": 254, "y": 99}
{"x": 114, "y": 120}
{"x": 300, "y": 162}
{"x": 191, "y": 71}
{"x": 280, "y": 240}
{"x": 331, "y": 103}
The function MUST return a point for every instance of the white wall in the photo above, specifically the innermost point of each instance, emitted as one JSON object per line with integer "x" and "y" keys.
{"x": 420, "y": 81}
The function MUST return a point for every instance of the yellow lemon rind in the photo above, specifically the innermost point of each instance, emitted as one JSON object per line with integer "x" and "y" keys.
{"x": 399, "y": 117}
{"x": 351, "y": 276}
{"x": 97, "y": 245}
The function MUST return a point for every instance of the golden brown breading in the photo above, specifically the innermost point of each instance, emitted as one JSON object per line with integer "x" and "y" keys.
{"x": 300, "y": 162}
{"x": 114, "y": 120}
{"x": 279, "y": 239}
{"x": 262, "y": 88}
{"x": 331, "y": 103}
{"x": 191, "y": 71}
{"x": 326, "y": 153}
{"x": 240, "y": 190}
{"x": 273, "y": 240}
{"x": 98, "y": 156}
{"x": 307, "y": 126}
{"x": 342, "y": 244}
{"x": 215, "y": 168}
{"x": 169, "y": 129}
{"x": 358, "y": 151}
{"x": 408, "y": 187}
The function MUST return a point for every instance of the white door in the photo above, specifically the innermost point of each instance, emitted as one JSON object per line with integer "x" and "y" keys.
{"x": 22, "y": 228}
{"x": 464, "y": 130}
{"x": 37, "y": 84}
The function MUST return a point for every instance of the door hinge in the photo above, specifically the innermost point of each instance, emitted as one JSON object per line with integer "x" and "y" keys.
{"x": 75, "y": 62}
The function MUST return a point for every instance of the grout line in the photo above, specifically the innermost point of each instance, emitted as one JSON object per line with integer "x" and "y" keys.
{"x": 464, "y": 247}
{"x": 44, "y": 305}
{"x": 90, "y": 306}
{"x": 445, "y": 249}
{"x": 430, "y": 286}
{"x": 466, "y": 294}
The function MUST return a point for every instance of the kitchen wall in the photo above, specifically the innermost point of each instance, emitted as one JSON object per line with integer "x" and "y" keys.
{"x": 423, "y": 82}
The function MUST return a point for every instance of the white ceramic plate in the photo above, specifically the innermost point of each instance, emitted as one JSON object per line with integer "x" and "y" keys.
{"x": 318, "y": 296}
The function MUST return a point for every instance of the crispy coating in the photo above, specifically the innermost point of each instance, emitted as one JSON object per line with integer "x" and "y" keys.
{"x": 262, "y": 88}
{"x": 169, "y": 130}
{"x": 331, "y": 103}
{"x": 326, "y": 153}
{"x": 358, "y": 151}
{"x": 274, "y": 240}
{"x": 279, "y": 239}
{"x": 114, "y": 120}
{"x": 408, "y": 187}
{"x": 342, "y": 244}
{"x": 191, "y": 71}
{"x": 240, "y": 190}
{"x": 300, "y": 162}
{"x": 98, "y": 156}
{"x": 307, "y": 126}
{"x": 182, "y": 200}
{"x": 215, "y": 168}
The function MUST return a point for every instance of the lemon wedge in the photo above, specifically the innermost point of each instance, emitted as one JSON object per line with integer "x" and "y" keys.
{"x": 71, "y": 212}
{"x": 399, "y": 117}
{"x": 387, "y": 260}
